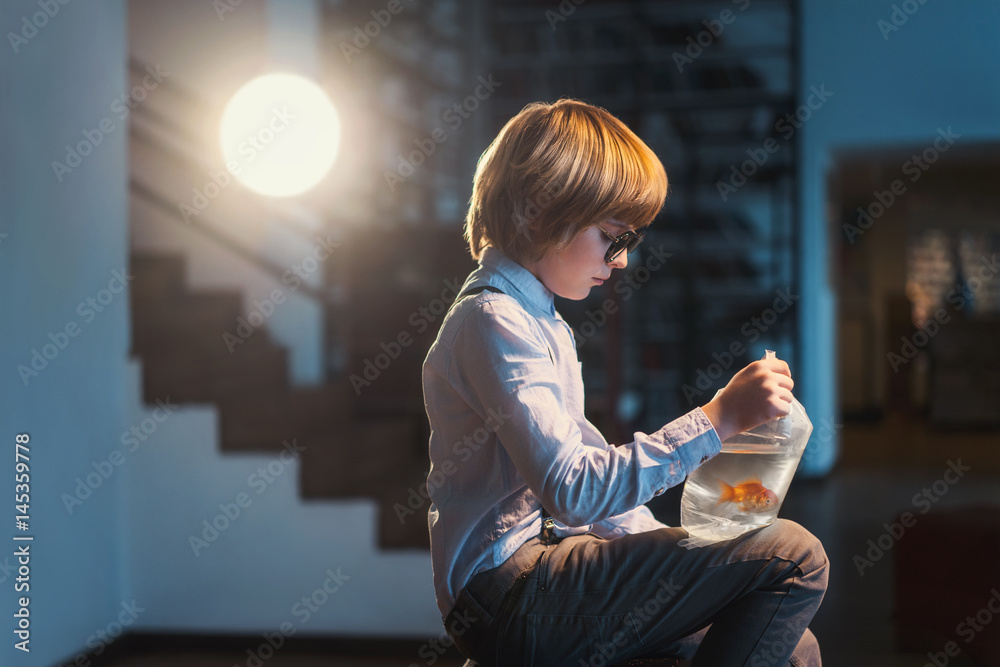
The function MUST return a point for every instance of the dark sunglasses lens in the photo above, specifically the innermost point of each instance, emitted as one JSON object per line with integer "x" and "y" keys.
{"x": 626, "y": 242}
{"x": 634, "y": 240}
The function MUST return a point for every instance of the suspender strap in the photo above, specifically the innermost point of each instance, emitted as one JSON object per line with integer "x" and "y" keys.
{"x": 477, "y": 290}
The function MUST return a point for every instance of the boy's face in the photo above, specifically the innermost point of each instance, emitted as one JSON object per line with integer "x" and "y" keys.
{"x": 574, "y": 270}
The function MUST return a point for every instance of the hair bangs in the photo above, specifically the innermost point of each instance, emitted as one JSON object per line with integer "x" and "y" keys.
{"x": 637, "y": 182}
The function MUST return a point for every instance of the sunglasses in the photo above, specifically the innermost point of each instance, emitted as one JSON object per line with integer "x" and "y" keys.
{"x": 626, "y": 242}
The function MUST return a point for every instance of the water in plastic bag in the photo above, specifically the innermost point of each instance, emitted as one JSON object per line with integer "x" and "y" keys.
{"x": 742, "y": 487}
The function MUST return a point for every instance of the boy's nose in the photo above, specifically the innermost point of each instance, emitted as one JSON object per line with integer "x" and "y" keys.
{"x": 621, "y": 261}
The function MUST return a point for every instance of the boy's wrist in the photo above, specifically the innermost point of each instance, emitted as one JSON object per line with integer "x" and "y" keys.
{"x": 719, "y": 423}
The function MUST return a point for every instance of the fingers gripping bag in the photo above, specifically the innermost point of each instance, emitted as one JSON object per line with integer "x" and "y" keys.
{"x": 742, "y": 487}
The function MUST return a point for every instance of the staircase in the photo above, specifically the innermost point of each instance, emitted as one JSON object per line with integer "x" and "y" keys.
{"x": 178, "y": 334}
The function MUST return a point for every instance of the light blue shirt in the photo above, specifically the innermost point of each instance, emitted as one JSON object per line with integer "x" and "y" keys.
{"x": 503, "y": 392}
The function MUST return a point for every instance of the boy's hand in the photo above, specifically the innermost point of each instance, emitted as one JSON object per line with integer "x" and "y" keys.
{"x": 760, "y": 392}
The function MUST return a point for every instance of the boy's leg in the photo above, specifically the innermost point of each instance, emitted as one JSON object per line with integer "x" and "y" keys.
{"x": 590, "y": 601}
{"x": 806, "y": 653}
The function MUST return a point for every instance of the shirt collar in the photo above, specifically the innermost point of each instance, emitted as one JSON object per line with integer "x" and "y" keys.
{"x": 532, "y": 289}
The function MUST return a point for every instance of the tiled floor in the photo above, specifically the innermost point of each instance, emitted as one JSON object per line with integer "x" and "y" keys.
{"x": 854, "y": 625}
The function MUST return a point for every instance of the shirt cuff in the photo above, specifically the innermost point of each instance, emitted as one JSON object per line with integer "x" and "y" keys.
{"x": 694, "y": 439}
{"x": 638, "y": 520}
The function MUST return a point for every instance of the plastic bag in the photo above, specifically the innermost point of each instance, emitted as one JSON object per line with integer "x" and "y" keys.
{"x": 742, "y": 488}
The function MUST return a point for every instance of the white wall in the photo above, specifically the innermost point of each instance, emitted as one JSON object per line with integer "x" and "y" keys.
{"x": 63, "y": 241}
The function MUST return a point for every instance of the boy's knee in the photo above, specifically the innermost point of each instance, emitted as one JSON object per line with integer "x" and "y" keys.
{"x": 801, "y": 546}
{"x": 811, "y": 556}
{"x": 806, "y": 653}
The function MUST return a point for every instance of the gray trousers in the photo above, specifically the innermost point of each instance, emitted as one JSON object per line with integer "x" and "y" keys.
{"x": 587, "y": 601}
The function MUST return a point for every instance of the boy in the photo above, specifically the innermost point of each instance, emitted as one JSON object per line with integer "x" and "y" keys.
{"x": 557, "y": 201}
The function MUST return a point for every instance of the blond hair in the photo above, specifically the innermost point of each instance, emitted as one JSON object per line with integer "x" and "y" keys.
{"x": 555, "y": 170}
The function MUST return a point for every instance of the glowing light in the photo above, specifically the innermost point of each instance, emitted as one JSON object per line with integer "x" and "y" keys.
{"x": 280, "y": 134}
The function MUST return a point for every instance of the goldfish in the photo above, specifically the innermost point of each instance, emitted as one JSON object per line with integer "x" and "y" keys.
{"x": 751, "y": 495}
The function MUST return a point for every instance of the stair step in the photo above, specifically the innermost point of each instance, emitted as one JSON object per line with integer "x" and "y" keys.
{"x": 216, "y": 378}
{"x": 402, "y": 525}
{"x": 262, "y": 421}
{"x": 361, "y": 460}
{"x": 180, "y": 308}
{"x": 198, "y": 323}
{"x": 157, "y": 274}
{"x": 210, "y": 341}
{"x": 178, "y": 333}
{"x": 191, "y": 344}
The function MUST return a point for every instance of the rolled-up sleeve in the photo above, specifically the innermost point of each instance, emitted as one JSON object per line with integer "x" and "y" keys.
{"x": 504, "y": 364}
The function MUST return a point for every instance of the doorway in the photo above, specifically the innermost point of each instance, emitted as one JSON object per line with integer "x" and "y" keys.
{"x": 917, "y": 245}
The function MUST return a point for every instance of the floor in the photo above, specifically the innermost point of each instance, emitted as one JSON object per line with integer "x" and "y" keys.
{"x": 882, "y": 467}
{"x": 279, "y": 660}
{"x": 855, "y": 624}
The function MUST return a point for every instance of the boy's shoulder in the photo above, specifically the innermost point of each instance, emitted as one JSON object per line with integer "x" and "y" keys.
{"x": 487, "y": 326}
{"x": 481, "y": 305}
{"x": 485, "y": 314}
